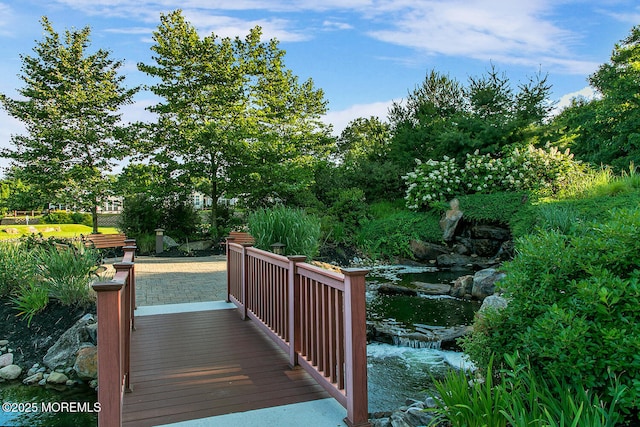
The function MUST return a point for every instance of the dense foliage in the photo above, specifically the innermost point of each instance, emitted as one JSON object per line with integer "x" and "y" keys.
{"x": 530, "y": 169}
{"x": 298, "y": 231}
{"x": 33, "y": 271}
{"x": 231, "y": 115}
{"x": 573, "y": 310}
{"x": 604, "y": 131}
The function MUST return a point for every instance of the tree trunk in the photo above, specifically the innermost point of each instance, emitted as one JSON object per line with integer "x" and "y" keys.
{"x": 214, "y": 209}
{"x": 94, "y": 218}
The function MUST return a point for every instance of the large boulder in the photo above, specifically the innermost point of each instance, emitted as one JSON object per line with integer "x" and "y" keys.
{"x": 454, "y": 260}
{"x": 86, "y": 366}
{"x": 484, "y": 282}
{"x": 425, "y": 251}
{"x": 63, "y": 353}
{"x": 492, "y": 232}
{"x": 449, "y": 223}
{"x": 493, "y": 302}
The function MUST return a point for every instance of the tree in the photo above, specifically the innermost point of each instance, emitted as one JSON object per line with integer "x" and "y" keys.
{"x": 69, "y": 104}
{"x": 443, "y": 117}
{"x": 606, "y": 130}
{"x": 232, "y": 114}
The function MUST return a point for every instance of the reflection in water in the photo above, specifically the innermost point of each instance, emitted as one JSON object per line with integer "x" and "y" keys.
{"x": 32, "y": 398}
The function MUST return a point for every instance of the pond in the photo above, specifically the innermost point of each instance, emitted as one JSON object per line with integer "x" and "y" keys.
{"x": 406, "y": 370}
{"x": 47, "y": 406}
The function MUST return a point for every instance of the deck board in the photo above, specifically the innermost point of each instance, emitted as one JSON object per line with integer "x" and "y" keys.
{"x": 195, "y": 365}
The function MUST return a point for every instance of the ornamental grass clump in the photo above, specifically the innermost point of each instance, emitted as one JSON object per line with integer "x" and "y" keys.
{"x": 297, "y": 230}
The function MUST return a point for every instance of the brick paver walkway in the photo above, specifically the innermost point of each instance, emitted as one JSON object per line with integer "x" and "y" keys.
{"x": 180, "y": 280}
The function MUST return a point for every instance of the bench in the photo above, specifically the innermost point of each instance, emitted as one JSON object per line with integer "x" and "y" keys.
{"x": 105, "y": 243}
{"x": 241, "y": 237}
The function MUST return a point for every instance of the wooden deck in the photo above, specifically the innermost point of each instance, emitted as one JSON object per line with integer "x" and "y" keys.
{"x": 195, "y": 365}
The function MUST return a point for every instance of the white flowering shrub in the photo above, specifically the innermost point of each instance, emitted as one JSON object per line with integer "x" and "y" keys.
{"x": 524, "y": 169}
{"x": 432, "y": 181}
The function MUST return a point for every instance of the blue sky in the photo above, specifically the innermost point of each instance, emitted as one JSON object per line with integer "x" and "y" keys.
{"x": 363, "y": 53}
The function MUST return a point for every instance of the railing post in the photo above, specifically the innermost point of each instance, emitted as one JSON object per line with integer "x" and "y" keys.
{"x": 109, "y": 353}
{"x": 130, "y": 247}
{"x": 229, "y": 240}
{"x": 244, "y": 279}
{"x": 356, "y": 348}
{"x": 127, "y": 319}
{"x": 293, "y": 289}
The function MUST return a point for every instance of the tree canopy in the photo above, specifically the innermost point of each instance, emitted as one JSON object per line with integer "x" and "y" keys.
{"x": 231, "y": 113}
{"x": 605, "y": 130}
{"x": 443, "y": 117}
{"x": 70, "y": 106}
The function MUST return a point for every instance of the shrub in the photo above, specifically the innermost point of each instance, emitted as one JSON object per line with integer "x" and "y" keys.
{"x": 30, "y": 299}
{"x": 390, "y": 236}
{"x": 82, "y": 218}
{"x": 67, "y": 274}
{"x": 573, "y": 308}
{"x": 520, "y": 169}
{"x": 140, "y": 215}
{"x": 349, "y": 210}
{"x": 16, "y": 267}
{"x": 299, "y": 231}
{"x": 57, "y": 217}
{"x": 520, "y": 398}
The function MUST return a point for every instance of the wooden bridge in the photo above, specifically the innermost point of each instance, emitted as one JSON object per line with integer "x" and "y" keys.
{"x": 305, "y": 340}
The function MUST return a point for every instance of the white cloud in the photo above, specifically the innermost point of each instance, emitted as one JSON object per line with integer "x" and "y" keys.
{"x": 515, "y": 32}
{"x": 587, "y": 93}
{"x": 335, "y": 25}
{"x": 340, "y": 119}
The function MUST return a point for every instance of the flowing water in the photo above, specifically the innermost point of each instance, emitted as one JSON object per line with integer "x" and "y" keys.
{"x": 405, "y": 371}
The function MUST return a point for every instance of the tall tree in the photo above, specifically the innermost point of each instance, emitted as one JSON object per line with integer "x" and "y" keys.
{"x": 443, "y": 117}
{"x": 606, "y": 130}
{"x": 231, "y": 114}
{"x": 69, "y": 105}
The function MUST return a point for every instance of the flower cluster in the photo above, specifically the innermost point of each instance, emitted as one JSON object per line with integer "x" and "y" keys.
{"x": 528, "y": 168}
{"x": 432, "y": 181}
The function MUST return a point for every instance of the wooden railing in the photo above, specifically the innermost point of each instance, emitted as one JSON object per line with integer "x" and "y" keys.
{"x": 115, "y": 305}
{"x": 317, "y": 316}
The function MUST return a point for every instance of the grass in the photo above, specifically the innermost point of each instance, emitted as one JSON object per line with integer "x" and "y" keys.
{"x": 66, "y": 230}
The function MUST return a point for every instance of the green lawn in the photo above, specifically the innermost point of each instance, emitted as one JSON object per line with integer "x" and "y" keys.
{"x": 66, "y": 230}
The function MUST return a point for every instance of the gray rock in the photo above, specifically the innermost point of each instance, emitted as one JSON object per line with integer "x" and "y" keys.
{"x": 426, "y": 251}
{"x": 169, "y": 242}
{"x": 452, "y": 260}
{"x": 33, "y": 379}
{"x": 201, "y": 245}
{"x": 57, "y": 378}
{"x": 462, "y": 286}
{"x": 484, "y": 282}
{"x": 398, "y": 420}
{"x": 433, "y": 288}
{"x": 418, "y": 417}
{"x": 63, "y": 352}
{"x": 494, "y": 302}
{"x": 6, "y": 360}
{"x": 4, "y": 343}
{"x": 450, "y": 221}
{"x": 10, "y": 372}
